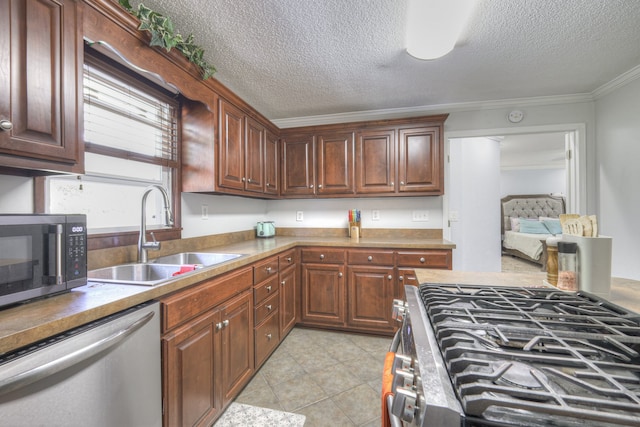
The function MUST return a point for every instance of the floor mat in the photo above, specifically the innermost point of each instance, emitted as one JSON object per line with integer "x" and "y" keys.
{"x": 238, "y": 414}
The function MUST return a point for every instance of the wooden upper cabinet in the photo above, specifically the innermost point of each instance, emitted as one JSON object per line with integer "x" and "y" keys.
{"x": 335, "y": 163}
{"x": 375, "y": 161}
{"x": 420, "y": 160}
{"x": 254, "y": 156}
{"x": 40, "y": 82}
{"x": 271, "y": 165}
{"x": 231, "y": 147}
{"x": 298, "y": 171}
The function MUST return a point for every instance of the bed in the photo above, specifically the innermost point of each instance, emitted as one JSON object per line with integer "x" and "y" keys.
{"x": 540, "y": 213}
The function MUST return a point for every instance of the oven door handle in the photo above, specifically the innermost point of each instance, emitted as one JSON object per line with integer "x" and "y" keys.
{"x": 393, "y": 419}
{"x": 395, "y": 343}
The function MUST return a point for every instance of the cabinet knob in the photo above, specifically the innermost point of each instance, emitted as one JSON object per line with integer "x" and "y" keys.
{"x": 392, "y": 183}
{"x": 401, "y": 182}
{"x": 268, "y": 269}
{"x": 422, "y": 260}
{"x": 401, "y": 278}
{"x": 319, "y": 185}
{"x": 339, "y": 274}
{"x": 389, "y": 277}
{"x": 268, "y": 337}
{"x": 369, "y": 258}
{"x": 283, "y": 282}
{"x": 244, "y": 179}
{"x": 289, "y": 259}
{"x": 268, "y": 288}
{"x": 321, "y": 256}
{"x": 268, "y": 185}
{"x": 225, "y": 323}
{"x": 269, "y": 307}
{"x": 218, "y": 326}
{"x": 6, "y": 125}
{"x": 311, "y": 186}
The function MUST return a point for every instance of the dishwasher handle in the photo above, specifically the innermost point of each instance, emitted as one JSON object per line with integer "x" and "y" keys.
{"x": 31, "y": 376}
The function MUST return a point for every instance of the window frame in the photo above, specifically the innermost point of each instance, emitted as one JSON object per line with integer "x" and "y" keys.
{"x": 126, "y": 237}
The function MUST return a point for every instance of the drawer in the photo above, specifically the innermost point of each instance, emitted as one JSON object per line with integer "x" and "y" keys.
{"x": 264, "y": 269}
{"x": 324, "y": 256}
{"x": 188, "y": 304}
{"x": 265, "y": 290}
{"x": 436, "y": 258}
{"x": 267, "y": 338}
{"x": 286, "y": 259}
{"x": 266, "y": 307}
{"x": 370, "y": 257}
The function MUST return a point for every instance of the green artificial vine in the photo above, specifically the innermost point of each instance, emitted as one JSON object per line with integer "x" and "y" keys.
{"x": 163, "y": 35}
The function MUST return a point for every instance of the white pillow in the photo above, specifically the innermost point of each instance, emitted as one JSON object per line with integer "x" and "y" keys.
{"x": 515, "y": 224}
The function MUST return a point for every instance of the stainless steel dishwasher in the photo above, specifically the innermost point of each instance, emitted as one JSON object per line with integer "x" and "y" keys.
{"x": 106, "y": 373}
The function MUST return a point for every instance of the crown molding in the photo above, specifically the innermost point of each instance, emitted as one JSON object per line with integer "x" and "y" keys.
{"x": 617, "y": 83}
{"x": 394, "y": 113}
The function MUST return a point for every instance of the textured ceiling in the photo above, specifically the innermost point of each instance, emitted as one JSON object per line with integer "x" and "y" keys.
{"x": 296, "y": 58}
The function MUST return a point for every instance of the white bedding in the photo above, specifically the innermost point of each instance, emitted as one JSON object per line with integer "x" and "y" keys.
{"x": 528, "y": 244}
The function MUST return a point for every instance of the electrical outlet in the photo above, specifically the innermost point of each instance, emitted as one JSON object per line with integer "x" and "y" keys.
{"x": 205, "y": 212}
{"x": 375, "y": 215}
{"x": 299, "y": 216}
{"x": 420, "y": 216}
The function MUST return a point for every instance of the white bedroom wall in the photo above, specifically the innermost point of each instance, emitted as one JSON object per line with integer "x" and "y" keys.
{"x": 533, "y": 181}
{"x": 618, "y": 175}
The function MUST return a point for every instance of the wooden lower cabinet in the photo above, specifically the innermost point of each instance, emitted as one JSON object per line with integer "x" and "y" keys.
{"x": 208, "y": 357}
{"x": 289, "y": 295}
{"x": 323, "y": 295}
{"x": 370, "y": 298}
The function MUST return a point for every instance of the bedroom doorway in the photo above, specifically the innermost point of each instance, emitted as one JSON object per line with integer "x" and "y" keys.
{"x": 475, "y": 179}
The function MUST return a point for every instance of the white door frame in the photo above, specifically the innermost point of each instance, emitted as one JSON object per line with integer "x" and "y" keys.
{"x": 578, "y": 201}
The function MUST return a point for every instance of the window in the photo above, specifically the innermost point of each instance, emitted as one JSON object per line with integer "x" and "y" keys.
{"x": 131, "y": 142}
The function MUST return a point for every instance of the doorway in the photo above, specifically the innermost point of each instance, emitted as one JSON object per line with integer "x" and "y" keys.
{"x": 471, "y": 205}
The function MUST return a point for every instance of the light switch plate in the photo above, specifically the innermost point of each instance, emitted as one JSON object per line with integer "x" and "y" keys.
{"x": 420, "y": 216}
{"x": 375, "y": 215}
{"x": 299, "y": 216}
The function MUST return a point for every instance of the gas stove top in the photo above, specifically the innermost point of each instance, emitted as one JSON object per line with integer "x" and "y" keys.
{"x": 536, "y": 356}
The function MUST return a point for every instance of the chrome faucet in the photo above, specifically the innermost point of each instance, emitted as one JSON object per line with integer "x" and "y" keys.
{"x": 143, "y": 245}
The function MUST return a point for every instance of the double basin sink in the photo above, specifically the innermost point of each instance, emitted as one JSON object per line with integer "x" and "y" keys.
{"x": 160, "y": 269}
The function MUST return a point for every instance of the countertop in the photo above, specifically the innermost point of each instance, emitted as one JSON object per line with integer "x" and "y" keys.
{"x": 624, "y": 292}
{"x": 28, "y": 323}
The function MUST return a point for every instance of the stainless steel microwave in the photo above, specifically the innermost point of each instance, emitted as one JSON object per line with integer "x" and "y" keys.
{"x": 41, "y": 255}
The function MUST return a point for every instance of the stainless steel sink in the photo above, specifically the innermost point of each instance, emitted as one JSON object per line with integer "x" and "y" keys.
{"x": 149, "y": 274}
{"x": 206, "y": 259}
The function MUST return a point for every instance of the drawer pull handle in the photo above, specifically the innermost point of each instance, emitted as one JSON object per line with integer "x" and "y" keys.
{"x": 321, "y": 256}
{"x": 269, "y": 307}
{"x": 268, "y": 337}
{"x": 369, "y": 258}
{"x": 422, "y": 260}
{"x": 268, "y": 288}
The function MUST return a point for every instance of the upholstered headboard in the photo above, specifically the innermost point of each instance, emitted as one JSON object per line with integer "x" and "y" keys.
{"x": 530, "y": 206}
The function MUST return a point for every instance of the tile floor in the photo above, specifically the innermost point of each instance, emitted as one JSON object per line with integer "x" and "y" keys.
{"x": 332, "y": 378}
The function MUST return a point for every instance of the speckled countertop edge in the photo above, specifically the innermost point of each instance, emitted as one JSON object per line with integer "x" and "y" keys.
{"x": 31, "y": 322}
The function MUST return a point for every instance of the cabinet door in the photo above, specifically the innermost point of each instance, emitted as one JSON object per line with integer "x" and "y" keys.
{"x": 237, "y": 345}
{"x": 271, "y": 165}
{"x": 323, "y": 295}
{"x": 370, "y": 296}
{"x": 231, "y": 147}
{"x": 335, "y": 163}
{"x": 189, "y": 355}
{"x": 420, "y": 160}
{"x": 406, "y": 277}
{"x": 375, "y": 161}
{"x": 40, "y": 83}
{"x": 254, "y": 156}
{"x": 298, "y": 177}
{"x": 288, "y": 298}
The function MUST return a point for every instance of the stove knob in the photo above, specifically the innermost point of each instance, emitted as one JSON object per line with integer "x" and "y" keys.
{"x": 401, "y": 361}
{"x": 404, "y": 404}
{"x": 402, "y": 379}
{"x": 399, "y": 310}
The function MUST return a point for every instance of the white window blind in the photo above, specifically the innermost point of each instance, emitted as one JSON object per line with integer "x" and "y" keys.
{"x": 124, "y": 121}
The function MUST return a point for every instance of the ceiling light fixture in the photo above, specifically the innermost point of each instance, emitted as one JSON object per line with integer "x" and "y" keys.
{"x": 433, "y": 26}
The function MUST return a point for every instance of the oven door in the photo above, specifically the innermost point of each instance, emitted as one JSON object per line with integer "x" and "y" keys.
{"x": 30, "y": 259}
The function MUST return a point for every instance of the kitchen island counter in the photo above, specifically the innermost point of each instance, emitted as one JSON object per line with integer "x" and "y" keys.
{"x": 33, "y": 321}
{"x": 624, "y": 292}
